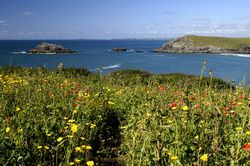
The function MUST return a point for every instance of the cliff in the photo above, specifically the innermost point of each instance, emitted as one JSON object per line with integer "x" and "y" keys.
{"x": 205, "y": 44}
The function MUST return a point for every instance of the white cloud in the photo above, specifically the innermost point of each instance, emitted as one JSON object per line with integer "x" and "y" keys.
{"x": 220, "y": 29}
{"x": 28, "y": 13}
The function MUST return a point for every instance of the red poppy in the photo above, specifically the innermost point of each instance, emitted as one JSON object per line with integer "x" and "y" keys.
{"x": 161, "y": 88}
{"x": 197, "y": 106}
{"x": 246, "y": 147}
{"x": 172, "y": 105}
{"x": 50, "y": 94}
{"x": 241, "y": 97}
{"x": 192, "y": 97}
{"x": 73, "y": 104}
{"x": 69, "y": 92}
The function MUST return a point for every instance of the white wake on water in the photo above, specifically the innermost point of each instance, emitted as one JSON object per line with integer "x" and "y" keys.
{"x": 108, "y": 67}
{"x": 112, "y": 66}
{"x": 240, "y": 55}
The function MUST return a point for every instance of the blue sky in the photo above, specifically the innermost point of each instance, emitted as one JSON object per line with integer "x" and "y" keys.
{"x": 108, "y": 19}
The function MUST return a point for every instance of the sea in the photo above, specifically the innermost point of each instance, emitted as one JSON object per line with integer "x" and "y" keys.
{"x": 97, "y": 56}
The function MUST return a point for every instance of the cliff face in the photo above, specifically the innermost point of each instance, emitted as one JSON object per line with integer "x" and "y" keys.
{"x": 186, "y": 45}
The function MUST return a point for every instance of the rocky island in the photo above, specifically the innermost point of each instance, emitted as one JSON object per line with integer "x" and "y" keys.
{"x": 205, "y": 44}
{"x": 48, "y": 48}
{"x": 119, "y": 49}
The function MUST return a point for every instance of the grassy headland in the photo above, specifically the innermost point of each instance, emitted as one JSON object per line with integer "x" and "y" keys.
{"x": 130, "y": 117}
{"x": 206, "y": 44}
{"x": 225, "y": 42}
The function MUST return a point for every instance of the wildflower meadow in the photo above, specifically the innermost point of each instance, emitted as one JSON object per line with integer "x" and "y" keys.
{"x": 128, "y": 117}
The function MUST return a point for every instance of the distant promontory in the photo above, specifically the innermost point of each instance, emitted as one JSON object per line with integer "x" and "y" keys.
{"x": 205, "y": 44}
{"x": 48, "y": 48}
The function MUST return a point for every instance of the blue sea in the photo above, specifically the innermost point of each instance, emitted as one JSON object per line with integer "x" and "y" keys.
{"x": 96, "y": 55}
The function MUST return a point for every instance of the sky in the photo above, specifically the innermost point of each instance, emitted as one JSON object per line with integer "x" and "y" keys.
{"x": 117, "y": 19}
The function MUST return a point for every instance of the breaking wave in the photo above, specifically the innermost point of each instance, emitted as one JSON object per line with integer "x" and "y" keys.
{"x": 19, "y": 52}
{"x": 240, "y": 55}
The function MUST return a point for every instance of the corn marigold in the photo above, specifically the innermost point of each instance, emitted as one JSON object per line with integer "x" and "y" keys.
{"x": 185, "y": 108}
{"x": 59, "y": 139}
{"x": 7, "y": 129}
{"x": 204, "y": 157}
{"x": 73, "y": 128}
{"x": 90, "y": 163}
{"x": 174, "y": 157}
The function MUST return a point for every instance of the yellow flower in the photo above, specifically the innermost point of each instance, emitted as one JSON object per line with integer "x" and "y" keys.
{"x": 173, "y": 108}
{"x": 238, "y": 128}
{"x": 39, "y": 147}
{"x": 174, "y": 158}
{"x": 7, "y": 129}
{"x": 88, "y": 147}
{"x": 48, "y": 134}
{"x": 78, "y": 149}
{"x": 77, "y": 160}
{"x": 90, "y": 163}
{"x": 71, "y": 120}
{"x": 111, "y": 103}
{"x": 148, "y": 114}
{"x": 70, "y": 136}
{"x": 248, "y": 133}
{"x": 73, "y": 128}
{"x": 170, "y": 121}
{"x": 185, "y": 108}
{"x": 65, "y": 118}
{"x": 59, "y": 139}
{"x": 18, "y": 109}
{"x": 92, "y": 126}
{"x": 82, "y": 138}
{"x": 83, "y": 146}
{"x": 46, "y": 147}
{"x": 204, "y": 157}
{"x": 74, "y": 111}
{"x": 71, "y": 163}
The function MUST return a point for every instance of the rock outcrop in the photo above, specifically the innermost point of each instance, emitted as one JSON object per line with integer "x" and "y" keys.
{"x": 119, "y": 49}
{"x": 48, "y": 48}
{"x": 186, "y": 45}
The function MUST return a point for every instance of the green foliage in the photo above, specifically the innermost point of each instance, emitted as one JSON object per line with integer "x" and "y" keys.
{"x": 130, "y": 117}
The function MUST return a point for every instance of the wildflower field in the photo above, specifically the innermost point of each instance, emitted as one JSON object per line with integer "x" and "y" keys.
{"x": 129, "y": 117}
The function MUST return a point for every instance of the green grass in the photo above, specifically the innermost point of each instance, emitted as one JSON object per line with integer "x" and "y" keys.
{"x": 219, "y": 41}
{"x": 129, "y": 117}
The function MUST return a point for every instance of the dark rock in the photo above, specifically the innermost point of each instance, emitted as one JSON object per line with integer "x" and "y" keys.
{"x": 48, "y": 48}
{"x": 119, "y": 49}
